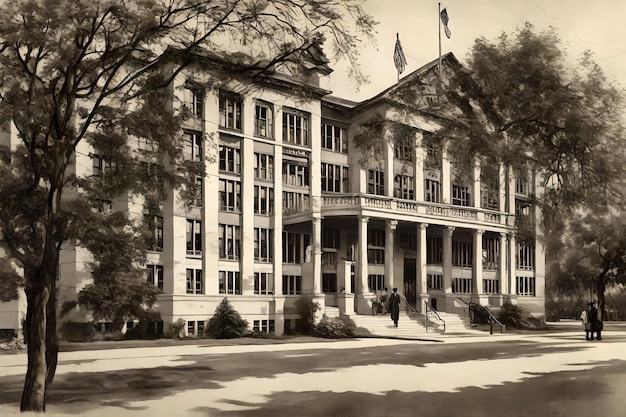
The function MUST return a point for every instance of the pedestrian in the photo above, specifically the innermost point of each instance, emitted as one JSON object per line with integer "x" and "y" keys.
{"x": 586, "y": 327}
{"x": 383, "y": 300}
{"x": 595, "y": 321}
{"x": 394, "y": 306}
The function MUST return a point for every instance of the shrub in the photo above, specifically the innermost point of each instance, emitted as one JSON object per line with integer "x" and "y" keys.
{"x": 516, "y": 317}
{"x": 146, "y": 327}
{"x": 306, "y": 308}
{"x": 73, "y": 331}
{"x": 332, "y": 328}
{"x": 178, "y": 327}
{"x": 226, "y": 323}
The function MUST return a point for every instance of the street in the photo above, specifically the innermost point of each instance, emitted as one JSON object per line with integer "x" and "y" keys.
{"x": 534, "y": 374}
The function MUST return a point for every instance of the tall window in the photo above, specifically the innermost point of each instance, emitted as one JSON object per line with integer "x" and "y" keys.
{"x": 376, "y": 282}
{"x": 194, "y": 281}
{"x": 491, "y": 286}
{"x": 263, "y": 244}
{"x": 295, "y": 128}
{"x": 407, "y": 241}
{"x": 460, "y": 195}
{"x": 375, "y": 182}
{"x": 263, "y": 166}
{"x": 263, "y": 283}
{"x": 525, "y": 286}
{"x": 329, "y": 283}
{"x": 230, "y": 195}
{"x": 331, "y": 238}
{"x": 263, "y": 200}
{"x": 434, "y": 250}
{"x": 403, "y": 185}
{"x": 376, "y": 246}
{"x": 434, "y": 281}
{"x": 489, "y": 189}
{"x": 230, "y": 159}
{"x": 432, "y": 190}
{"x": 102, "y": 167}
{"x": 294, "y": 245}
{"x": 525, "y": 256}
{"x": 194, "y": 237}
{"x": 295, "y": 174}
{"x": 334, "y": 178}
{"x": 155, "y": 225}
{"x": 263, "y": 120}
{"x": 462, "y": 253}
{"x": 404, "y": 150}
{"x": 193, "y": 146}
{"x": 292, "y": 284}
{"x": 334, "y": 138}
{"x": 522, "y": 185}
{"x": 155, "y": 275}
{"x": 491, "y": 249}
{"x": 295, "y": 202}
{"x": 229, "y": 282}
{"x": 230, "y": 111}
{"x": 194, "y": 100}
{"x": 462, "y": 285}
{"x": 229, "y": 241}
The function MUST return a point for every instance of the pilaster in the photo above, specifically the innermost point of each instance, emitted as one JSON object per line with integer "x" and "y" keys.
{"x": 418, "y": 169}
{"x": 477, "y": 264}
{"x": 390, "y": 230}
{"x": 422, "y": 287}
{"x": 502, "y": 265}
{"x": 476, "y": 197}
{"x": 447, "y": 259}
{"x": 446, "y": 178}
{"x": 316, "y": 260}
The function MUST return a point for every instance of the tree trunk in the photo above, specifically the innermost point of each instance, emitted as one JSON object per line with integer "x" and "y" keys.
{"x": 34, "y": 394}
{"x": 601, "y": 288}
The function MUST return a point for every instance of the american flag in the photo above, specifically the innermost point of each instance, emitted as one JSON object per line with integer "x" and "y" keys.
{"x": 398, "y": 56}
{"x": 444, "y": 20}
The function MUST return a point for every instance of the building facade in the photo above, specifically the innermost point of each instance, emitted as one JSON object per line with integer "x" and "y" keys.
{"x": 290, "y": 206}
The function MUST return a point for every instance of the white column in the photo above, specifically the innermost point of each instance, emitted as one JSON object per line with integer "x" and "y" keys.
{"x": 446, "y": 193}
{"x": 502, "y": 265}
{"x": 418, "y": 169}
{"x": 512, "y": 263}
{"x": 390, "y": 230}
{"x": 387, "y": 167}
{"x": 447, "y": 259}
{"x": 477, "y": 264}
{"x": 362, "y": 257}
{"x": 502, "y": 186}
{"x": 476, "y": 197}
{"x": 317, "y": 253}
{"x": 422, "y": 287}
{"x": 247, "y": 216}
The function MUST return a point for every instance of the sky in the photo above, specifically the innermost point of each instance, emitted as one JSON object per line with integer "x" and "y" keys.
{"x": 595, "y": 25}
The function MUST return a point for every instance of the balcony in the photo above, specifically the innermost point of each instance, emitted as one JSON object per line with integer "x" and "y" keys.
{"x": 342, "y": 204}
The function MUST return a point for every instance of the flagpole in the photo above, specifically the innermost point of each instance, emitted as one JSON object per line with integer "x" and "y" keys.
{"x": 439, "y": 23}
{"x": 398, "y": 69}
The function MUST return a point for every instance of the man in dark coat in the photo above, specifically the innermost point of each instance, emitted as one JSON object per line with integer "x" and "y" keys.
{"x": 595, "y": 321}
{"x": 394, "y": 306}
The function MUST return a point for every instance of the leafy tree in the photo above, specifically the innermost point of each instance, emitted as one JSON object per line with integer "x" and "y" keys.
{"x": 306, "y": 309}
{"x": 226, "y": 323}
{"x": 92, "y": 72}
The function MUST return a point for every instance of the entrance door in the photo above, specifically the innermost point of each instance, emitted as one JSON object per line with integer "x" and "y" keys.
{"x": 410, "y": 281}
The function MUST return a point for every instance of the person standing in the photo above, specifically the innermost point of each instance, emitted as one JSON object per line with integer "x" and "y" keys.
{"x": 585, "y": 320}
{"x": 383, "y": 300}
{"x": 595, "y": 321}
{"x": 394, "y": 306}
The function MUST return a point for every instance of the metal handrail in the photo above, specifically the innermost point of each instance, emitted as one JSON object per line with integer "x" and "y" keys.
{"x": 472, "y": 306}
{"x": 431, "y": 308}
{"x": 410, "y": 306}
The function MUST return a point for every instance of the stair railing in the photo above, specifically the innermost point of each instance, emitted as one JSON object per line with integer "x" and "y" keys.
{"x": 431, "y": 309}
{"x": 479, "y": 314}
{"x": 410, "y": 307}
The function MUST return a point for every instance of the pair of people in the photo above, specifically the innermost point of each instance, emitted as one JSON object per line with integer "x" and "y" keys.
{"x": 592, "y": 322}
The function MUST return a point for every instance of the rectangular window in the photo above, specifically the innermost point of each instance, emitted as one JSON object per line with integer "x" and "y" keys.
{"x": 462, "y": 253}
{"x": 230, "y": 195}
{"x": 296, "y": 128}
{"x": 433, "y": 155}
{"x": 263, "y": 283}
{"x": 489, "y": 196}
{"x": 263, "y": 200}
{"x": 329, "y": 283}
{"x": 195, "y": 283}
{"x": 404, "y": 150}
{"x": 460, "y": 195}
{"x": 102, "y": 167}
{"x": 229, "y": 241}
{"x": 376, "y": 282}
{"x": 200, "y": 327}
{"x": 155, "y": 275}
{"x": 295, "y": 202}
{"x": 521, "y": 183}
{"x": 525, "y": 256}
{"x": 194, "y": 100}
{"x": 375, "y": 182}
{"x": 434, "y": 250}
{"x": 229, "y": 282}
{"x": 193, "y": 150}
{"x": 407, "y": 241}
{"x": 263, "y": 326}
{"x": 292, "y": 284}
{"x": 155, "y": 239}
{"x": 263, "y": 245}
{"x": 331, "y": 238}
{"x": 491, "y": 286}
{"x": 194, "y": 237}
{"x": 146, "y": 144}
{"x": 403, "y": 187}
{"x": 376, "y": 246}
{"x": 295, "y": 175}
{"x": 263, "y": 166}
{"x": 334, "y": 138}
{"x": 525, "y": 286}
{"x": 462, "y": 285}
{"x": 191, "y": 328}
{"x": 432, "y": 191}
{"x": 230, "y": 111}
{"x": 293, "y": 248}
{"x": 434, "y": 281}
{"x": 230, "y": 159}
{"x": 263, "y": 120}
{"x": 491, "y": 253}
{"x": 334, "y": 178}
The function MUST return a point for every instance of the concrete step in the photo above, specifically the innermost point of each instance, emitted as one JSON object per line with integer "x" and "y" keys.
{"x": 382, "y": 326}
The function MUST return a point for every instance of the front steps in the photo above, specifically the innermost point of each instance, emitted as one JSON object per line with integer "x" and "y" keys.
{"x": 382, "y": 326}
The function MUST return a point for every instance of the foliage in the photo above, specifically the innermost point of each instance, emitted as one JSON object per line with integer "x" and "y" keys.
{"x": 332, "y": 328}
{"x": 306, "y": 309}
{"x": 226, "y": 323}
{"x": 10, "y": 281}
{"x": 144, "y": 329}
{"x": 514, "y": 316}
{"x": 177, "y": 327}
{"x": 72, "y": 331}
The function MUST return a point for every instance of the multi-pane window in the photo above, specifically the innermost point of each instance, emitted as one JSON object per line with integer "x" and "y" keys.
{"x": 334, "y": 178}
{"x": 229, "y": 241}
{"x": 375, "y": 182}
{"x": 155, "y": 239}
{"x": 146, "y": 144}
{"x": 155, "y": 275}
{"x": 194, "y": 237}
{"x": 434, "y": 281}
{"x": 295, "y": 202}
{"x": 462, "y": 253}
{"x": 433, "y": 156}
{"x": 294, "y": 245}
{"x": 407, "y": 241}
{"x": 432, "y": 190}
{"x": 434, "y": 250}
{"x": 375, "y": 282}
{"x": 403, "y": 187}
{"x": 263, "y": 166}
{"x": 229, "y": 282}
{"x": 193, "y": 99}
{"x": 295, "y": 128}
{"x": 230, "y": 111}
{"x": 460, "y": 195}
{"x": 230, "y": 159}
{"x": 263, "y": 120}
{"x": 522, "y": 185}
{"x": 263, "y": 244}
{"x": 193, "y": 146}
{"x": 462, "y": 285}
{"x": 491, "y": 250}
{"x": 264, "y": 326}
{"x": 292, "y": 284}
{"x": 491, "y": 286}
{"x": 230, "y": 195}
{"x": 263, "y": 283}
{"x": 295, "y": 174}
{"x": 195, "y": 328}
{"x": 331, "y": 238}
{"x": 404, "y": 150}
{"x": 102, "y": 167}
{"x": 522, "y": 209}
{"x": 263, "y": 199}
{"x": 334, "y": 138}
{"x": 489, "y": 197}
{"x": 195, "y": 283}
{"x": 376, "y": 246}
{"x": 525, "y": 256}
{"x": 525, "y": 286}
{"x": 329, "y": 283}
